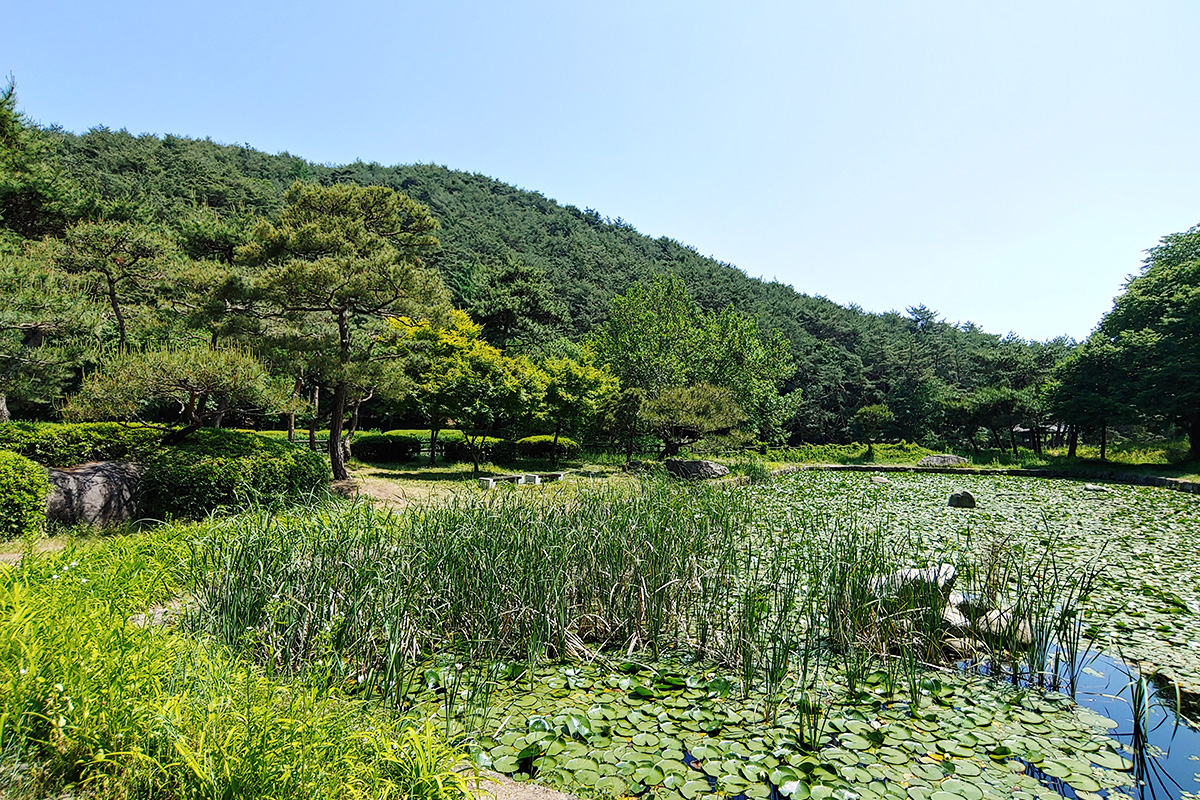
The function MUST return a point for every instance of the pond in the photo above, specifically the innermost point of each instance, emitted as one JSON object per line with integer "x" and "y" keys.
{"x": 673, "y": 728}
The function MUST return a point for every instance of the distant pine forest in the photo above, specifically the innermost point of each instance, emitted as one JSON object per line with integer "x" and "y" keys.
{"x": 368, "y": 296}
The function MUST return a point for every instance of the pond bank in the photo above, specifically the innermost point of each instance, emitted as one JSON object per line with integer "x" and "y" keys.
{"x": 1125, "y": 478}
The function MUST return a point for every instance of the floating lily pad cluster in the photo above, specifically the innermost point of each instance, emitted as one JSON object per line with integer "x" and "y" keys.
{"x": 682, "y": 734}
{"x": 1146, "y": 609}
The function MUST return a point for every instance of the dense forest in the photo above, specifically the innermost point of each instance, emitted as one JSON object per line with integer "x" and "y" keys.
{"x": 169, "y": 234}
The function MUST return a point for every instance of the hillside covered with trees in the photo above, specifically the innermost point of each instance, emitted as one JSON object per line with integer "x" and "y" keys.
{"x": 295, "y": 272}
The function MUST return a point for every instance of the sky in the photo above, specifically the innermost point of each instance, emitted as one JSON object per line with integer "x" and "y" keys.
{"x": 1003, "y": 164}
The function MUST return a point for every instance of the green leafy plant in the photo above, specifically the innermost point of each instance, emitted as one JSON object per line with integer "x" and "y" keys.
{"x": 23, "y": 487}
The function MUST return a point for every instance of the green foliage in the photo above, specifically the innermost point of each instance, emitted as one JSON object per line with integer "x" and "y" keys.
{"x": 34, "y": 197}
{"x": 517, "y": 305}
{"x": 57, "y": 445}
{"x": 390, "y": 448}
{"x": 24, "y": 486}
{"x": 870, "y": 422}
{"x": 134, "y": 386}
{"x": 684, "y": 415}
{"x": 217, "y": 468}
{"x": 341, "y": 261}
{"x": 659, "y": 340}
{"x": 478, "y": 449}
{"x": 43, "y": 321}
{"x": 544, "y": 447}
{"x": 96, "y": 705}
{"x": 904, "y": 453}
{"x": 122, "y": 264}
{"x": 463, "y": 379}
{"x": 1155, "y": 326}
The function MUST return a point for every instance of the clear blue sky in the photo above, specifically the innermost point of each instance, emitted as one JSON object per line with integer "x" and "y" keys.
{"x": 1005, "y": 164}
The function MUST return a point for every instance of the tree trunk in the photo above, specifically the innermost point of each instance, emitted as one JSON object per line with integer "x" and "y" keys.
{"x": 433, "y": 433}
{"x": 554, "y": 448}
{"x": 1193, "y": 432}
{"x": 222, "y": 407}
{"x": 1072, "y": 442}
{"x": 337, "y": 420}
{"x": 1012, "y": 437}
{"x": 1103, "y": 441}
{"x": 4, "y": 415}
{"x": 291, "y": 416}
{"x": 116, "y": 307}
{"x": 312, "y": 422}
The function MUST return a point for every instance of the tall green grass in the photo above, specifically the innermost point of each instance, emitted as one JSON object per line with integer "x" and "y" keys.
{"x": 97, "y": 704}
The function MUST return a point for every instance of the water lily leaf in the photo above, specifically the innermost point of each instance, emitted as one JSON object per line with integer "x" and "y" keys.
{"x": 1110, "y": 760}
{"x": 693, "y": 789}
{"x": 505, "y": 764}
{"x": 1084, "y": 783}
{"x": 579, "y": 764}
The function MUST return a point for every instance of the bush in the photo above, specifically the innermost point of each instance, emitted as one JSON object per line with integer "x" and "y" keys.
{"x": 543, "y": 447}
{"x": 388, "y": 448}
{"x": 454, "y": 448}
{"x": 59, "y": 445}
{"x": 23, "y": 487}
{"x": 452, "y": 445}
{"x": 216, "y": 468}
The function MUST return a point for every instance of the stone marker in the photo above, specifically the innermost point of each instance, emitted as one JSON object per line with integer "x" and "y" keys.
{"x": 694, "y": 470}
{"x": 963, "y": 499}
{"x": 97, "y": 493}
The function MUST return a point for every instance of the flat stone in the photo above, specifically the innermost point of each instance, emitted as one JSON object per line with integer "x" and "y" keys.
{"x": 1091, "y": 487}
{"x": 879, "y": 479}
{"x": 942, "y": 460}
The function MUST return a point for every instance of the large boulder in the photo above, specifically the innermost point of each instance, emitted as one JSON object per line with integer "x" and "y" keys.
{"x": 695, "y": 470}
{"x": 98, "y": 493}
{"x": 942, "y": 460}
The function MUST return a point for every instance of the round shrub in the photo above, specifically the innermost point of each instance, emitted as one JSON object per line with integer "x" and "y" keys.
{"x": 543, "y": 447}
{"x": 65, "y": 445}
{"x": 216, "y": 468}
{"x": 23, "y": 487}
{"x": 384, "y": 448}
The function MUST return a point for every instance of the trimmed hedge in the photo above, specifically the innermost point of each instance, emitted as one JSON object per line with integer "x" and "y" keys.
{"x": 65, "y": 445}
{"x": 543, "y": 447}
{"x": 23, "y": 489}
{"x": 373, "y": 447}
{"x": 456, "y": 449}
{"x": 216, "y": 468}
{"x": 452, "y": 445}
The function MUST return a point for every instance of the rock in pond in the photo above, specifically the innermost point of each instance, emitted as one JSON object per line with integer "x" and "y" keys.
{"x": 98, "y": 493}
{"x": 940, "y": 578}
{"x": 963, "y": 499}
{"x": 942, "y": 460}
{"x": 695, "y": 470}
{"x": 879, "y": 479}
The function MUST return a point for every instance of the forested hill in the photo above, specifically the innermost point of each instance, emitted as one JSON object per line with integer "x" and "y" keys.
{"x": 846, "y": 358}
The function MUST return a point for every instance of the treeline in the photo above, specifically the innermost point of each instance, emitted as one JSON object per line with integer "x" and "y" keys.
{"x": 541, "y": 279}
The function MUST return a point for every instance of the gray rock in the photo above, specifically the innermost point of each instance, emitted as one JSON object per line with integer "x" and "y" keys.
{"x": 1091, "y": 487}
{"x": 98, "y": 493}
{"x": 879, "y": 479}
{"x": 963, "y": 499}
{"x": 1000, "y": 622}
{"x": 955, "y": 620}
{"x": 942, "y": 460}
{"x": 904, "y": 580}
{"x": 695, "y": 470}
